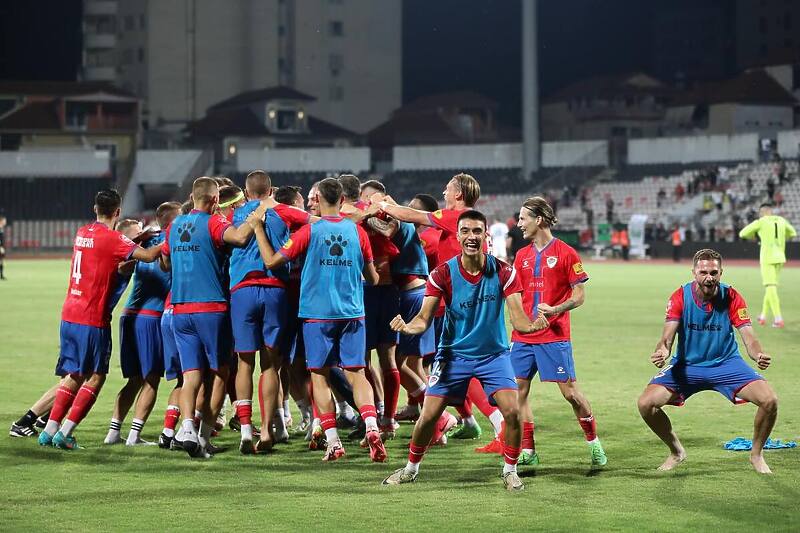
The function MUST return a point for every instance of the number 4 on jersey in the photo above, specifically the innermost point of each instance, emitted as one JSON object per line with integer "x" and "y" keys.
{"x": 76, "y": 267}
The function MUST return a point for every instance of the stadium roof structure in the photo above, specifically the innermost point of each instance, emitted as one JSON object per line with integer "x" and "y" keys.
{"x": 612, "y": 86}
{"x": 753, "y": 86}
{"x": 262, "y": 95}
{"x": 32, "y": 116}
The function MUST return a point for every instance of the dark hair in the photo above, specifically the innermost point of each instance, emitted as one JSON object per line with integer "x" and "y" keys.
{"x": 331, "y": 190}
{"x": 472, "y": 214}
{"x": 351, "y": 186}
{"x": 258, "y": 183}
{"x": 374, "y": 184}
{"x": 539, "y": 207}
{"x": 222, "y": 181}
{"x": 707, "y": 254}
{"x": 766, "y": 204}
{"x": 286, "y": 194}
{"x": 228, "y": 193}
{"x": 428, "y": 202}
{"x": 186, "y": 207}
{"x": 107, "y": 202}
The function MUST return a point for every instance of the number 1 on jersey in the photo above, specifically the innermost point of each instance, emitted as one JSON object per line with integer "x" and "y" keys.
{"x": 76, "y": 267}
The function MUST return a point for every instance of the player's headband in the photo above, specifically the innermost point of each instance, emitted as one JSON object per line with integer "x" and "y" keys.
{"x": 239, "y": 197}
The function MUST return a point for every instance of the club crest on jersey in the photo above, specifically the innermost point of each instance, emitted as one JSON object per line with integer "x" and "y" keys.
{"x": 551, "y": 261}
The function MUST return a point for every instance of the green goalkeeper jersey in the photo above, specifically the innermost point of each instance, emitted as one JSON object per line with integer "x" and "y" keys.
{"x": 772, "y": 232}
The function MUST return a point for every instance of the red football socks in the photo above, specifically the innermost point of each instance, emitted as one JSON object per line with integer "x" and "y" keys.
{"x": 62, "y": 403}
{"x": 84, "y": 401}
{"x": 589, "y": 427}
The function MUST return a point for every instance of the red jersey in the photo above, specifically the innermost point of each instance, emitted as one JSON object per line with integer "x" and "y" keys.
{"x": 446, "y": 221}
{"x": 429, "y": 237}
{"x": 737, "y": 308}
{"x": 440, "y": 285}
{"x": 547, "y": 276}
{"x": 96, "y": 253}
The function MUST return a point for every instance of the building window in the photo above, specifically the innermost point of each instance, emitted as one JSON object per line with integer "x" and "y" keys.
{"x": 129, "y": 22}
{"x": 336, "y": 63}
{"x": 281, "y": 30}
{"x": 127, "y": 56}
{"x": 337, "y": 93}
{"x": 336, "y": 28}
{"x": 142, "y": 22}
{"x": 140, "y": 54}
{"x": 76, "y": 113}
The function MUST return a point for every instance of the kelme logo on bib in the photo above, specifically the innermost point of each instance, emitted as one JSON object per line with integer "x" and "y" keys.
{"x": 551, "y": 261}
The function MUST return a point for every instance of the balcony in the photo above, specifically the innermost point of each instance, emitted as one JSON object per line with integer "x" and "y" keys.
{"x": 99, "y": 7}
{"x": 94, "y": 41}
{"x": 99, "y": 73}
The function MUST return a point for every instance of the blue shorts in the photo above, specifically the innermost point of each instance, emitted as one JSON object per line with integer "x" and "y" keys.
{"x": 419, "y": 345}
{"x": 292, "y": 338}
{"x": 381, "y": 305}
{"x": 258, "y": 314}
{"x": 203, "y": 340}
{"x": 172, "y": 361}
{"x": 334, "y": 343}
{"x": 552, "y": 360}
{"x": 141, "y": 349}
{"x": 727, "y": 378}
{"x": 84, "y": 349}
{"x": 450, "y": 376}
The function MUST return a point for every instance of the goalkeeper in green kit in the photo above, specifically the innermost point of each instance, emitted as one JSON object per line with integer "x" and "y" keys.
{"x": 772, "y": 232}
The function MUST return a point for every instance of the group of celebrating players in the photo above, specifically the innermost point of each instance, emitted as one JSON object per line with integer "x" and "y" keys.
{"x": 234, "y": 273}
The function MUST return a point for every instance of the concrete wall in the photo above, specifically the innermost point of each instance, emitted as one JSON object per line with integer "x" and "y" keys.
{"x": 789, "y": 143}
{"x": 693, "y": 149}
{"x": 304, "y": 159}
{"x": 554, "y": 154}
{"x": 54, "y": 163}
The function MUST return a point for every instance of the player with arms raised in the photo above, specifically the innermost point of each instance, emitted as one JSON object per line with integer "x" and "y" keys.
{"x": 474, "y": 344}
{"x": 703, "y": 313}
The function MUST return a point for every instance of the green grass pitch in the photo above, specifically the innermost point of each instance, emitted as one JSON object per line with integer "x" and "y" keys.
{"x": 100, "y": 488}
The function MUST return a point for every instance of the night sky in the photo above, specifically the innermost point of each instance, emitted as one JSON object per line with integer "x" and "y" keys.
{"x": 447, "y": 44}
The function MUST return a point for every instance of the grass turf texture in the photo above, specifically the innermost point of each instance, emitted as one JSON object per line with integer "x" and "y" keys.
{"x": 117, "y": 488}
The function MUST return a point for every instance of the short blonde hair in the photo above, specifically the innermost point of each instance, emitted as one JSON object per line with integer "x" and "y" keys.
{"x": 204, "y": 190}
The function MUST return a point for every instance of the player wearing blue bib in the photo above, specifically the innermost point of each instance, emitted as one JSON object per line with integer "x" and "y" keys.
{"x": 474, "y": 343}
{"x": 337, "y": 254}
{"x": 704, "y": 314}
{"x": 409, "y": 273}
{"x": 141, "y": 352}
{"x": 194, "y": 251}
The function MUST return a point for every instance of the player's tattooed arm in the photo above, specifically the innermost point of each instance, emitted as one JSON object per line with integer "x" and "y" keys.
{"x": 575, "y": 300}
{"x": 519, "y": 320}
{"x": 419, "y": 323}
{"x": 753, "y": 347}
{"x": 268, "y": 255}
{"x": 664, "y": 346}
{"x": 387, "y": 228}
